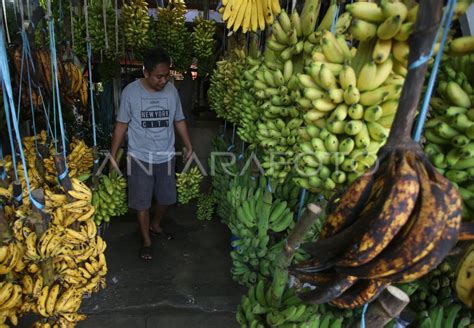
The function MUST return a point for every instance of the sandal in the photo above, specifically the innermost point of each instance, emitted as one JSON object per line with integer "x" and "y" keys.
{"x": 146, "y": 253}
{"x": 161, "y": 234}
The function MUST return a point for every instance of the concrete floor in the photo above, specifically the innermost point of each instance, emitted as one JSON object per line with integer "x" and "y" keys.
{"x": 188, "y": 283}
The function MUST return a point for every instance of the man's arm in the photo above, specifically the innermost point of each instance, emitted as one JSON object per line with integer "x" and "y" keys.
{"x": 118, "y": 137}
{"x": 182, "y": 129}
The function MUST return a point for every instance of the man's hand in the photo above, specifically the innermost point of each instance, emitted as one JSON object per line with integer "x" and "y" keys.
{"x": 187, "y": 153}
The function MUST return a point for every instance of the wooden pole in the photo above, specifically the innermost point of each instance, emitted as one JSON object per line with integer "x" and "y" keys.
{"x": 296, "y": 237}
{"x": 17, "y": 193}
{"x": 388, "y": 305}
{"x": 40, "y": 221}
{"x": 64, "y": 180}
{"x": 420, "y": 41}
{"x": 5, "y": 232}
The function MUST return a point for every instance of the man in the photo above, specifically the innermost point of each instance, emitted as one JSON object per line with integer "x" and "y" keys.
{"x": 150, "y": 109}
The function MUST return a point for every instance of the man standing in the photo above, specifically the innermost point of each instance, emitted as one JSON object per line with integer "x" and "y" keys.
{"x": 150, "y": 110}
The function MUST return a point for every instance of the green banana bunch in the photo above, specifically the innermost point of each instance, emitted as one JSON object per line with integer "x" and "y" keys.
{"x": 220, "y": 180}
{"x": 449, "y": 132}
{"x": 110, "y": 199}
{"x": 173, "y": 35}
{"x": 450, "y": 316}
{"x": 204, "y": 43}
{"x": 225, "y": 87}
{"x": 247, "y": 104}
{"x": 257, "y": 309}
{"x": 136, "y": 24}
{"x": 102, "y": 27}
{"x": 205, "y": 206}
{"x": 435, "y": 289}
{"x": 80, "y": 47}
{"x": 188, "y": 185}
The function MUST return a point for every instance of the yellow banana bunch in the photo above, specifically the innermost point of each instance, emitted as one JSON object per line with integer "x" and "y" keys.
{"x": 136, "y": 24}
{"x": 77, "y": 82}
{"x": 250, "y": 15}
{"x": 10, "y": 255}
{"x": 188, "y": 184}
{"x": 173, "y": 35}
{"x": 204, "y": 43}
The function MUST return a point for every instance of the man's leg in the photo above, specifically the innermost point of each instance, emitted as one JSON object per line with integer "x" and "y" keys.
{"x": 160, "y": 211}
{"x": 144, "y": 223}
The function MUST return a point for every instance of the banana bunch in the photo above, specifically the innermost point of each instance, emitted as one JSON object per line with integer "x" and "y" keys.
{"x": 246, "y": 103}
{"x": 173, "y": 35}
{"x": 450, "y": 129}
{"x": 444, "y": 317}
{"x": 79, "y": 160}
{"x": 204, "y": 43}
{"x": 461, "y": 46}
{"x": 464, "y": 278}
{"x": 11, "y": 258}
{"x": 78, "y": 84}
{"x": 391, "y": 226}
{"x": 258, "y": 309}
{"x": 102, "y": 27}
{"x": 11, "y": 298}
{"x": 188, "y": 184}
{"x": 437, "y": 288}
{"x": 110, "y": 199}
{"x": 205, "y": 206}
{"x": 220, "y": 180}
{"x": 79, "y": 30}
{"x": 348, "y": 115}
{"x": 136, "y": 23}
{"x": 225, "y": 87}
{"x": 250, "y": 15}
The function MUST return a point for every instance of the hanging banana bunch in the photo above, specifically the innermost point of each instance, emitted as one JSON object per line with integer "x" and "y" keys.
{"x": 136, "y": 23}
{"x": 250, "y": 15}
{"x": 204, "y": 43}
{"x": 101, "y": 26}
{"x": 173, "y": 35}
{"x": 80, "y": 47}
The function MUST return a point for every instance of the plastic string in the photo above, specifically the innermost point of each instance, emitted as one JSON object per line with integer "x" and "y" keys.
{"x": 444, "y": 21}
{"x": 104, "y": 16}
{"x": 232, "y": 145}
{"x": 8, "y": 94}
{"x": 334, "y": 20}
{"x": 52, "y": 43}
{"x": 241, "y": 155}
{"x": 447, "y": 18}
{"x": 362, "y": 320}
{"x": 301, "y": 204}
{"x": 21, "y": 80}
{"x": 5, "y": 20}
{"x": 89, "y": 67}
{"x": 9, "y": 128}
{"x": 116, "y": 28}
{"x": 3, "y": 174}
{"x": 71, "y": 13}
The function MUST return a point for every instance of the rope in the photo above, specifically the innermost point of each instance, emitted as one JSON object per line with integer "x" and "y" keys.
{"x": 3, "y": 174}
{"x": 5, "y": 21}
{"x": 445, "y": 23}
{"x": 71, "y": 13}
{"x": 9, "y": 126}
{"x": 52, "y": 44}
{"x": 362, "y": 320}
{"x": 301, "y": 204}
{"x": 225, "y": 129}
{"x": 116, "y": 28}
{"x": 334, "y": 20}
{"x": 104, "y": 16}
{"x": 21, "y": 80}
{"x": 89, "y": 67}
{"x": 8, "y": 94}
{"x": 241, "y": 155}
{"x": 232, "y": 145}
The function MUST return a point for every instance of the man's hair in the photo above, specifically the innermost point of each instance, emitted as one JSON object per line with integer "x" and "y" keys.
{"x": 154, "y": 57}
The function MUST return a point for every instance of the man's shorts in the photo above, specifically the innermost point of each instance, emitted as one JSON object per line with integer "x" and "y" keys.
{"x": 146, "y": 180}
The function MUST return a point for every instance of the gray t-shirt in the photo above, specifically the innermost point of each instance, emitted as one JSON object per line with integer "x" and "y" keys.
{"x": 150, "y": 117}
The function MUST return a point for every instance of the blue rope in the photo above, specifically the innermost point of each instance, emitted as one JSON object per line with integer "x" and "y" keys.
{"x": 3, "y": 175}
{"x": 334, "y": 20}
{"x": 89, "y": 65}
{"x": 21, "y": 80}
{"x": 362, "y": 320}
{"x": 446, "y": 22}
{"x": 8, "y": 94}
{"x": 301, "y": 204}
{"x": 52, "y": 44}
{"x": 9, "y": 128}
{"x": 241, "y": 156}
